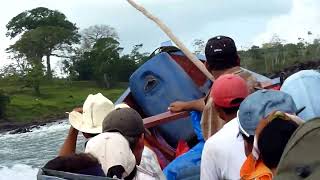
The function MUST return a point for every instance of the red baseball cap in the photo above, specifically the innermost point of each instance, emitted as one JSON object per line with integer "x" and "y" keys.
{"x": 227, "y": 89}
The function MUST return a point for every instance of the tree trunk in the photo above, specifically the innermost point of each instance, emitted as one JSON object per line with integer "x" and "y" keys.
{"x": 49, "y": 73}
{"x": 36, "y": 88}
{"x": 265, "y": 64}
{"x": 106, "y": 81}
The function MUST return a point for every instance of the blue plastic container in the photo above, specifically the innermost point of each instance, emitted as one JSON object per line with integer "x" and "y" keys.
{"x": 159, "y": 82}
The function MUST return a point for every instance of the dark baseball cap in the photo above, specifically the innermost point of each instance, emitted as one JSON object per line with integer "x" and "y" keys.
{"x": 221, "y": 49}
{"x": 127, "y": 121}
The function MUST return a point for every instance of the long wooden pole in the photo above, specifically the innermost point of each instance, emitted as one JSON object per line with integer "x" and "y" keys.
{"x": 169, "y": 33}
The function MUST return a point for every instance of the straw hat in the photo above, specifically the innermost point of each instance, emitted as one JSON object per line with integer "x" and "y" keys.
{"x": 121, "y": 105}
{"x": 95, "y": 109}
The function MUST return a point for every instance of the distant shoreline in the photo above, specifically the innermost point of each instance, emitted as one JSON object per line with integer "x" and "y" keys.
{"x": 12, "y": 126}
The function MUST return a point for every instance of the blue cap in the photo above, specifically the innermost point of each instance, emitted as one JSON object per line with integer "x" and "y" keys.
{"x": 304, "y": 88}
{"x": 259, "y": 105}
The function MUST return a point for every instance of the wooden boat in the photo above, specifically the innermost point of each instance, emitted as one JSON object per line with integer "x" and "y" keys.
{"x": 154, "y": 138}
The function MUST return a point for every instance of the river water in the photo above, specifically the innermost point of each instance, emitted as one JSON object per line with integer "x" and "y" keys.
{"x": 22, "y": 154}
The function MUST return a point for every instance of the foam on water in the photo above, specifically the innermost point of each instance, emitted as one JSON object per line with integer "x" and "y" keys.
{"x": 22, "y": 154}
{"x": 17, "y": 172}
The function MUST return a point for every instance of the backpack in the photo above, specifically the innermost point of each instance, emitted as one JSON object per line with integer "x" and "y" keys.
{"x": 301, "y": 159}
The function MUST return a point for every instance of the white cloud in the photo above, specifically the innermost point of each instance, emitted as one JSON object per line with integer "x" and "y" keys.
{"x": 303, "y": 17}
{"x": 188, "y": 19}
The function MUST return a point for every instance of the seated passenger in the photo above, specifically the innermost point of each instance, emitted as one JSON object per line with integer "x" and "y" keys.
{"x": 114, "y": 154}
{"x": 223, "y": 153}
{"x": 254, "y": 109}
{"x": 82, "y": 163}
{"x": 87, "y": 120}
{"x": 272, "y": 134}
{"x": 129, "y": 124}
{"x": 304, "y": 87}
{"x": 300, "y": 159}
{"x": 222, "y": 58}
{"x": 149, "y": 159}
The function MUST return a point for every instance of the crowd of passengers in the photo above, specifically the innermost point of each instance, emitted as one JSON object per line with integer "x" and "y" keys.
{"x": 247, "y": 132}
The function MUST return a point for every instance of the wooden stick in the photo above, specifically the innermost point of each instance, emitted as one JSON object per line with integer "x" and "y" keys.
{"x": 169, "y": 33}
{"x": 163, "y": 118}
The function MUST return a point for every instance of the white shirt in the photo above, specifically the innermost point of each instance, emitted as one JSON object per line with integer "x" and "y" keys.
{"x": 150, "y": 163}
{"x": 223, "y": 154}
{"x": 143, "y": 174}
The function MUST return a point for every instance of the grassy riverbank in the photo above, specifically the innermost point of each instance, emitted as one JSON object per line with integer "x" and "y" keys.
{"x": 57, "y": 97}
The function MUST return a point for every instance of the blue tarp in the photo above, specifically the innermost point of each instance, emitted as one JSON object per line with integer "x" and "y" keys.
{"x": 187, "y": 166}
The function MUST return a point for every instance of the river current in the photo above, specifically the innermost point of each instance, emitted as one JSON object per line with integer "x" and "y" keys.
{"x": 22, "y": 154}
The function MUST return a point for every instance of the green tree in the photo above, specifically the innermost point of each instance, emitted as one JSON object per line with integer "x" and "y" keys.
{"x": 138, "y": 57}
{"x": 34, "y": 77}
{"x": 100, "y": 63}
{"x": 4, "y": 101}
{"x": 49, "y": 30}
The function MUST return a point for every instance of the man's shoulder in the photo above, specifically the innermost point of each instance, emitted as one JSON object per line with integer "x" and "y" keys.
{"x": 226, "y": 133}
{"x": 143, "y": 174}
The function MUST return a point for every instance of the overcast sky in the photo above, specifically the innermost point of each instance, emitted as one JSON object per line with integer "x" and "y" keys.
{"x": 249, "y": 22}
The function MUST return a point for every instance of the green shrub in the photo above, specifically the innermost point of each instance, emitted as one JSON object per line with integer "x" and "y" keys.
{"x": 4, "y": 101}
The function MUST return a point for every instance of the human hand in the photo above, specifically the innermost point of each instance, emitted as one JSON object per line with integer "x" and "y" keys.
{"x": 78, "y": 109}
{"x": 177, "y": 106}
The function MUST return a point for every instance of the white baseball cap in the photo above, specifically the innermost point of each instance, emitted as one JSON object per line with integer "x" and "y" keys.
{"x": 112, "y": 149}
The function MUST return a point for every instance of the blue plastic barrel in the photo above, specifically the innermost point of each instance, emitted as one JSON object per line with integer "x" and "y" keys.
{"x": 159, "y": 82}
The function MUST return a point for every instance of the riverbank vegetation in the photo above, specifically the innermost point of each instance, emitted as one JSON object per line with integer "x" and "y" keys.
{"x": 58, "y": 97}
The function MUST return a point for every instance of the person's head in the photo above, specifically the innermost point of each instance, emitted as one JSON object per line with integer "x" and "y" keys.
{"x": 129, "y": 123}
{"x": 304, "y": 86}
{"x": 272, "y": 140}
{"x": 82, "y": 163}
{"x": 221, "y": 54}
{"x": 258, "y": 106}
{"x": 227, "y": 92}
{"x": 113, "y": 151}
{"x": 88, "y": 120}
{"x": 300, "y": 158}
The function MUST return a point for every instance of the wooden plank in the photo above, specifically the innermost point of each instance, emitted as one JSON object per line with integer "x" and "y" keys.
{"x": 163, "y": 118}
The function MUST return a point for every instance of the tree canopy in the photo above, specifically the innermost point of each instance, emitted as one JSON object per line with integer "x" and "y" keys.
{"x": 44, "y": 32}
{"x": 38, "y": 17}
{"x": 92, "y": 34}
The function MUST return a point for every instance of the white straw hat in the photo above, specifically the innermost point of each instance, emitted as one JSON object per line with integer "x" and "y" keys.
{"x": 112, "y": 149}
{"x": 95, "y": 109}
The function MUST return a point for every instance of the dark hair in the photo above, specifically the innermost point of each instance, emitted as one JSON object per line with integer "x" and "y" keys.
{"x": 76, "y": 163}
{"x": 232, "y": 110}
{"x": 132, "y": 141}
{"x": 273, "y": 139}
{"x": 232, "y": 61}
{"x": 119, "y": 170}
{"x": 249, "y": 139}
